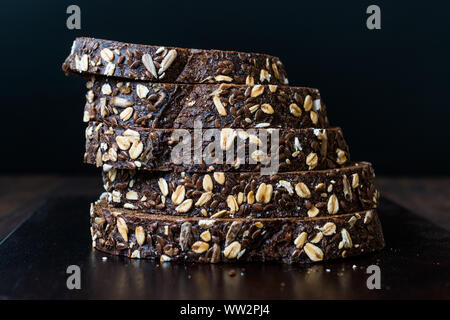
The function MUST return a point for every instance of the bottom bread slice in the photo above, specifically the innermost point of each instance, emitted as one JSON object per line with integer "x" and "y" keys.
{"x": 191, "y": 239}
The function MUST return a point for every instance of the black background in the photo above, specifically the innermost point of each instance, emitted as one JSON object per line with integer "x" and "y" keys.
{"x": 386, "y": 88}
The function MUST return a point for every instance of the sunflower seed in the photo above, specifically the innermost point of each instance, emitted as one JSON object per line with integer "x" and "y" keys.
{"x": 120, "y": 102}
{"x": 162, "y": 183}
{"x": 123, "y": 228}
{"x": 167, "y": 61}
{"x": 147, "y": 61}
{"x": 347, "y": 240}
{"x": 219, "y": 106}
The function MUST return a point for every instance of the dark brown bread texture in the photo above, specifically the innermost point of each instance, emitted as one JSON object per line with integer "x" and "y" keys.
{"x": 169, "y": 64}
{"x": 287, "y": 240}
{"x": 164, "y": 105}
{"x": 232, "y": 194}
{"x": 151, "y": 149}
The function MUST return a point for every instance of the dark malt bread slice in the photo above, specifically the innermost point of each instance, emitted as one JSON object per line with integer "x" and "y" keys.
{"x": 189, "y": 239}
{"x": 234, "y": 194}
{"x": 90, "y": 56}
{"x": 153, "y": 149}
{"x": 168, "y": 105}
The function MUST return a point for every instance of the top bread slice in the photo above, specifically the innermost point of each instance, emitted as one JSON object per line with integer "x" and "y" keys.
{"x": 91, "y": 56}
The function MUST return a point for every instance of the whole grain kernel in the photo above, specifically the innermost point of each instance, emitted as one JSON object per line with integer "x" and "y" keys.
{"x": 222, "y": 78}
{"x": 206, "y": 236}
{"x": 313, "y": 252}
{"x": 257, "y": 90}
{"x": 232, "y": 204}
{"x": 313, "y": 211}
{"x": 311, "y": 160}
{"x": 317, "y": 238}
{"x": 251, "y": 197}
{"x": 185, "y": 206}
{"x": 141, "y": 91}
{"x": 132, "y": 195}
{"x": 307, "y": 105}
{"x": 139, "y": 232}
{"x": 328, "y": 229}
{"x": 162, "y": 183}
{"x": 178, "y": 195}
{"x": 106, "y": 89}
{"x": 273, "y": 88}
{"x": 107, "y": 55}
{"x": 301, "y": 240}
{"x": 314, "y": 117}
{"x": 333, "y": 204}
{"x": 136, "y": 149}
{"x": 219, "y": 177}
{"x": 355, "y": 180}
{"x": 260, "y": 192}
{"x": 200, "y": 247}
{"x": 126, "y": 114}
{"x": 232, "y": 250}
{"x": 205, "y": 197}
{"x": 295, "y": 110}
{"x": 207, "y": 183}
{"x": 302, "y": 190}
{"x": 341, "y": 156}
{"x": 267, "y": 108}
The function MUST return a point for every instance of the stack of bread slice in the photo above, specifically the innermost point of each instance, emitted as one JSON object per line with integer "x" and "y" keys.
{"x": 315, "y": 204}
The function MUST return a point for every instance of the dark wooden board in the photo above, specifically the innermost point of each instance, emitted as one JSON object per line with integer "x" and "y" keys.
{"x": 34, "y": 259}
